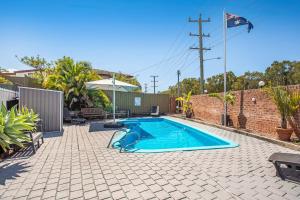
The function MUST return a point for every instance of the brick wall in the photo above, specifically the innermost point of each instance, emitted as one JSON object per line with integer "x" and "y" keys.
{"x": 260, "y": 117}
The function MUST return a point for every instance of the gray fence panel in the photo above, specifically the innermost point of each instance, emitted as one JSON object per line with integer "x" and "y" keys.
{"x": 125, "y": 100}
{"x": 6, "y": 95}
{"x": 47, "y": 103}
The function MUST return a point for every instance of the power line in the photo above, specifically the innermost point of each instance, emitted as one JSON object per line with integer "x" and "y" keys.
{"x": 158, "y": 63}
{"x": 178, "y": 82}
{"x": 200, "y": 48}
{"x": 146, "y": 88}
{"x": 154, "y": 82}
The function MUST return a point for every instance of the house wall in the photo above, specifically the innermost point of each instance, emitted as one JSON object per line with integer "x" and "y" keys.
{"x": 260, "y": 117}
{"x": 23, "y": 74}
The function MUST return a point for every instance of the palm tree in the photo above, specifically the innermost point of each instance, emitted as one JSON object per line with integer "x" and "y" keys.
{"x": 287, "y": 103}
{"x": 185, "y": 102}
{"x": 70, "y": 77}
{"x": 229, "y": 97}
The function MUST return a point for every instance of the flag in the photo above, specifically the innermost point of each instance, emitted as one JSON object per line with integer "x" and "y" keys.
{"x": 234, "y": 21}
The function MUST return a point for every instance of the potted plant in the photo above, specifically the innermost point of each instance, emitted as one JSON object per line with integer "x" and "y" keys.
{"x": 287, "y": 104}
{"x": 295, "y": 107}
{"x": 228, "y": 98}
{"x": 186, "y": 104}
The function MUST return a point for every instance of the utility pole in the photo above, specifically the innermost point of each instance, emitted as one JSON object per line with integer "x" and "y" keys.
{"x": 178, "y": 83}
{"x": 154, "y": 82}
{"x": 200, "y": 48}
{"x": 146, "y": 87}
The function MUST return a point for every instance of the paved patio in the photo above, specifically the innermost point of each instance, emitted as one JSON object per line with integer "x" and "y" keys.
{"x": 77, "y": 165}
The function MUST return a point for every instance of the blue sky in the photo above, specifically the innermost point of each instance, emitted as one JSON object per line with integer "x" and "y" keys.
{"x": 146, "y": 37}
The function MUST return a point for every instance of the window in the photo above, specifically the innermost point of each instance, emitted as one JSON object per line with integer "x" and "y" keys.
{"x": 137, "y": 101}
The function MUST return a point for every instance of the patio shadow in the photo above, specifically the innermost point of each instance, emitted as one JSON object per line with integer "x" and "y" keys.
{"x": 242, "y": 120}
{"x": 99, "y": 126}
{"x": 11, "y": 171}
{"x": 23, "y": 153}
{"x": 53, "y": 134}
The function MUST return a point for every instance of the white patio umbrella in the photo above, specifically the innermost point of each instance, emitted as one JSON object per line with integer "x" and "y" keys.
{"x": 111, "y": 84}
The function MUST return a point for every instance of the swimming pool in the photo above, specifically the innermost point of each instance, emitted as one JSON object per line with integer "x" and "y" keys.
{"x": 161, "y": 135}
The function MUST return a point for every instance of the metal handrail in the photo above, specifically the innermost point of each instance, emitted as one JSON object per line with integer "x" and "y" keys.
{"x": 123, "y": 129}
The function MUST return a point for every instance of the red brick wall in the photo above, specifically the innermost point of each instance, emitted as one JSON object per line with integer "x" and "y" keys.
{"x": 260, "y": 117}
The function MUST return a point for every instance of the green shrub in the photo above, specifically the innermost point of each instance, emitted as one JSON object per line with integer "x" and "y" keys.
{"x": 98, "y": 98}
{"x": 13, "y": 123}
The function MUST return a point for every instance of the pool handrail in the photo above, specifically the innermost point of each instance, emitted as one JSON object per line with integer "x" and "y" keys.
{"x": 112, "y": 137}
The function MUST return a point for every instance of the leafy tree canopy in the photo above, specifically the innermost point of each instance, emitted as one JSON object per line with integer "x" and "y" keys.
{"x": 186, "y": 85}
{"x": 2, "y": 79}
{"x": 70, "y": 77}
{"x": 36, "y": 62}
{"x": 130, "y": 80}
{"x": 42, "y": 66}
{"x": 278, "y": 73}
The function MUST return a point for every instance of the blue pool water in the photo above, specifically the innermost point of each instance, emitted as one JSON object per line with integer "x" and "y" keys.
{"x": 160, "y": 135}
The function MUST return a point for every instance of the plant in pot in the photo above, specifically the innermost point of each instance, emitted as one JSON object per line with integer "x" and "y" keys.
{"x": 294, "y": 110}
{"x": 229, "y": 98}
{"x": 186, "y": 104}
{"x": 287, "y": 104}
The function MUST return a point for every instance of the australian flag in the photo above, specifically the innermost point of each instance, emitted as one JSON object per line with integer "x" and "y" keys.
{"x": 234, "y": 20}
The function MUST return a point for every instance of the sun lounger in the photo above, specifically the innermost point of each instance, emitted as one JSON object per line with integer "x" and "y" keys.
{"x": 154, "y": 111}
{"x": 287, "y": 165}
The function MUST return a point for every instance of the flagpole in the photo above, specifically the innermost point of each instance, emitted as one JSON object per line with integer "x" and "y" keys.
{"x": 225, "y": 75}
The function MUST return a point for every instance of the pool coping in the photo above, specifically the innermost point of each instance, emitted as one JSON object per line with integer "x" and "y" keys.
{"x": 230, "y": 144}
{"x": 242, "y": 132}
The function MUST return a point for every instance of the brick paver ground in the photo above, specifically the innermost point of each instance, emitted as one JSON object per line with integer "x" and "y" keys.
{"x": 77, "y": 165}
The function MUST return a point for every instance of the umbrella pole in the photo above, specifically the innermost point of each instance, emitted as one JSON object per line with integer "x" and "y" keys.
{"x": 114, "y": 98}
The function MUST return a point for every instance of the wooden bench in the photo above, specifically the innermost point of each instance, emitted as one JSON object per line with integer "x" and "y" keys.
{"x": 287, "y": 165}
{"x": 35, "y": 138}
{"x": 92, "y": 113}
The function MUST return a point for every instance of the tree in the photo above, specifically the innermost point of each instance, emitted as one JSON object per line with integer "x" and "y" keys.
{"x": 277, "y": 73}
{"x": 229, "y": 97}
{"x": 249, "y": 80}
{"x": 186, "y": 85}
{"x": 70, "y": 77}
{"x": 185, "y": 103}
{"x": 294, "y": 73}
{"x": 42, "y": 66}
{"x": 3, "y": 70}
{"x": 130, "y": 80}
{"x": 190, "y": 85}
{"x": 2, "y": 79}
{"x": 216, "y": 83}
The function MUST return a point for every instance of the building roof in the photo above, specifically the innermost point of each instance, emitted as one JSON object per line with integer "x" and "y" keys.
{"x": 26, "y": 70}
{"x": 109, "y": 73}
{"x": 19, "y": 71}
